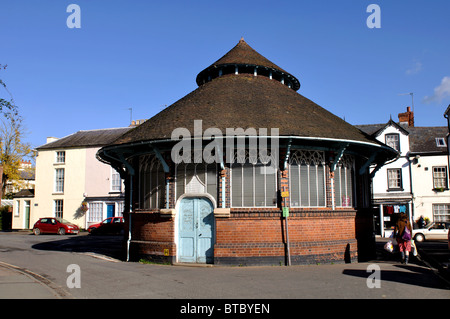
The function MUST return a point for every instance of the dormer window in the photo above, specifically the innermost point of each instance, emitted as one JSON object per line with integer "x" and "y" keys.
{"x": 440, "y": 142}
{"x": 393, "y": 140}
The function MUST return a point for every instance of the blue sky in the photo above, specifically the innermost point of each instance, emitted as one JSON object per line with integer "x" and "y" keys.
{"x": 145, "y": 55}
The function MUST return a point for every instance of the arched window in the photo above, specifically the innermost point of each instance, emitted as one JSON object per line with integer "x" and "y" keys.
{"x": 151, "y": 183}
{"x": 343, "y": 182}
{"x": 196, "y": 178}
{"x": 307, "y": 179}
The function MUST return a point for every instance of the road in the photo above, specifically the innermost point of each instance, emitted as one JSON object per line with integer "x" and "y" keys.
{"x": 104, "y": 276}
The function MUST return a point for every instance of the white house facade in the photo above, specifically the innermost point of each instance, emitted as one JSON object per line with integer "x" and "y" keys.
{"x": 429, "y": 173}
{"x": 415, "y": 183}
{"x": 391, "y": 186}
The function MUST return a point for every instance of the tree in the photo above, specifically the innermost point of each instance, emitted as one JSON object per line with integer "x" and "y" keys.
{"x": 12, "y": 147}
{"x": 12, "y": 151}
{"x": 7, "y": 107}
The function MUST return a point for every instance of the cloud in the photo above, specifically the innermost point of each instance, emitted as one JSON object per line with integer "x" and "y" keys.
{"x": 416, "y": 68}
{"x": 440, "y": 92}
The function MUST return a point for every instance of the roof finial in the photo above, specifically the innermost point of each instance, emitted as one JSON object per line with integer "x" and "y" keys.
{"x": 242, "y": 39}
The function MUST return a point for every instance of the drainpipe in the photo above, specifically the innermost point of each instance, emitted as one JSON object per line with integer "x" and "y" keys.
{"x": 333, "y": 206}
{"x": 223, "y": 191}
{"x": 222, "y": 167}
{"x": 130, "y": 170}
{"x": 286, "y": 159}
{"x": 129, "y": 218}
{"x": 131, "y": 173}
{"x": 411, "y": 214}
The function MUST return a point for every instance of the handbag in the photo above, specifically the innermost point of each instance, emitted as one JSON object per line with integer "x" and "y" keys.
{"x": 389, "y": 246}
{"x": 413, "y": 248}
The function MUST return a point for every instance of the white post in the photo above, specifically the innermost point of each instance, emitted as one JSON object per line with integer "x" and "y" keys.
{"x": 381, "y": 221}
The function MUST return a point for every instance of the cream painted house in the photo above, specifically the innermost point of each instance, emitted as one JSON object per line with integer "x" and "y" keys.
{"x": 22, "y": 204}
{"x": 72, "y": 184}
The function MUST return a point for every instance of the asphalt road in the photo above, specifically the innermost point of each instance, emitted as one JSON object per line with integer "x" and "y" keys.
{"x": 102, "y": 275}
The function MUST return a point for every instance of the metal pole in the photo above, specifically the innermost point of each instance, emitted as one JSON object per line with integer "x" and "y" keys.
{"x": 287, "y": 231}
{"x": 287, "y": 241}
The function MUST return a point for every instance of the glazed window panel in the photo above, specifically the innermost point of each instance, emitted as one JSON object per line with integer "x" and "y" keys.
{"x": 116, "y": 181}
{"x": 343, "y": 182}
{"x": 59, "y": 208}
{"x": 95, "y": 212}
{"x": 59, "y": 180}
{"x": 440, "y": 177}
{"x": 253, "y": 185}
{"x": 307, "y": 179}
{"x": 393, "y": 140}
{"x": 61, "y": 157}
{"x": 394, "y": 178}
{"x": 441, "y": 212}
{"x": 152, "y": 183}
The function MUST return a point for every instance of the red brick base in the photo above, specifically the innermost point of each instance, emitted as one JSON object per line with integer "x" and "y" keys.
{"x": 255, "y": 237}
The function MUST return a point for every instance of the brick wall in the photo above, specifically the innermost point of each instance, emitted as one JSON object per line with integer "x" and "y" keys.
{"x": 153, "y": 236}
{"x": 259, "y": 238}
{"x": 255, "y": 236}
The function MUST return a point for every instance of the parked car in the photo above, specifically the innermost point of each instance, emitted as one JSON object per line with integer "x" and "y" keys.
{"x": 437, "y": 230}
{"x": 54, "y": 225}
{"x": 111, "y": 225}
{"x": 449, "y": 240}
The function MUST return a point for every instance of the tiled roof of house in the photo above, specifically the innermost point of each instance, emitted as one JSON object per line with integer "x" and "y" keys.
{"x": 24, "y": 193}
{"x": 89, "y": 138}
{"x": 421, "y": 139}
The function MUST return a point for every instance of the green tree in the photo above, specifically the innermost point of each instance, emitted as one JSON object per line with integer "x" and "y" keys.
{"x": 13, "y": 149}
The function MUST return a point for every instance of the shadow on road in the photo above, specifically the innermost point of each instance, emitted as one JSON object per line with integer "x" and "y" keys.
{"x": 407, "y": 274}
{"x": 111, "y": 246}
{"x": 413, "y": 273}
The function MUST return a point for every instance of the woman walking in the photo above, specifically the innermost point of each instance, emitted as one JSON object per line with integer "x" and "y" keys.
{"x": 403, "y": 231}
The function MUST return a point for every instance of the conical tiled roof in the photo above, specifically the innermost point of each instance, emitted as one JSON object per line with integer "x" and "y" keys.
{"x": 242, "y": 53}
{"x": 244, "y": 59}
{"x": 243, "y": 100}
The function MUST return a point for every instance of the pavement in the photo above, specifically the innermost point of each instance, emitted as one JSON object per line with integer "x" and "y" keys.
{"x": 19, "y": 283}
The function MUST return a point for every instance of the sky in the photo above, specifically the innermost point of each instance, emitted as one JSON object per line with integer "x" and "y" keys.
{"x": 145, "y": 55}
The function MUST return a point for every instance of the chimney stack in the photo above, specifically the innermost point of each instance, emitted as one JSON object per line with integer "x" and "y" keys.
{"x": 406, "y": 118}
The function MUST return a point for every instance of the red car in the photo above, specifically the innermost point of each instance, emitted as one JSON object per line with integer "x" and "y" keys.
{"x": 111, "y": 225}
{"x": 54, "y": 225}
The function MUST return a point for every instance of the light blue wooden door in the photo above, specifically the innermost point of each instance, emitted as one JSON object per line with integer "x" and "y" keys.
{"x": 196, "y": 231}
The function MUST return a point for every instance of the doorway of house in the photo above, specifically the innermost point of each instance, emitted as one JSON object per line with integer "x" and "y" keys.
{"x": 110, "y": 210}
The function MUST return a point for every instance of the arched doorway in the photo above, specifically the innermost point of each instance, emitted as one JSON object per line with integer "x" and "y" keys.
{"x": 196, "y": 230}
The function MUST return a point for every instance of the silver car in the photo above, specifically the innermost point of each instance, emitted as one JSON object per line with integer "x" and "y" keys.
{"x": 437, "y": 230}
